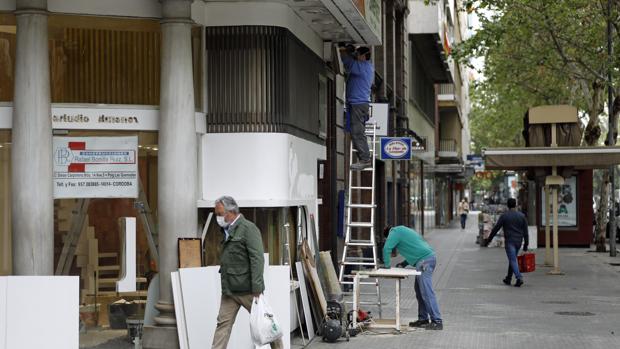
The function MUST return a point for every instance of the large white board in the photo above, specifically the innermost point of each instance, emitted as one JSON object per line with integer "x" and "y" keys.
{"x": 39, "y": 312}
{"x": 95, "y": 167}
{"x": 201, "y": 294}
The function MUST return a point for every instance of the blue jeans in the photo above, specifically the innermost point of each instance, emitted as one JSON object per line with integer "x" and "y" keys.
{"x": 427, "y": 303}
{"x": 463, "y": 220}
{"x": 512, "y": 249}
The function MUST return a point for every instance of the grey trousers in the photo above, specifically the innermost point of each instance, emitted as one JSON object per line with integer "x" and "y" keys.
{"x": 225, "y": 320}
{"x": 359, "y": 114}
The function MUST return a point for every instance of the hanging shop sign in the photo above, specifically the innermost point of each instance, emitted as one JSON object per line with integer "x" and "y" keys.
{"x": 95, "y": 167}
{"x": 567, "y": 204}
{"x": 476, "y": 161}
{"x": 395, "y": 148}
{"x": 378, "y": 116}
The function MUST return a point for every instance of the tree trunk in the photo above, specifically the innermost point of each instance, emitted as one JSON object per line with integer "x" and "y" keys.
{"x": 592, "y": 132}
{"x": 601, "y": 216}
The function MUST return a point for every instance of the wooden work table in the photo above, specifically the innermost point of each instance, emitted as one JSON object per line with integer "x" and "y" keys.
{"x": 398, "y": 274}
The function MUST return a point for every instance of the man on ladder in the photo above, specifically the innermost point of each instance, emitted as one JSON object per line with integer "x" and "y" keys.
{"x": 360, "y": 77}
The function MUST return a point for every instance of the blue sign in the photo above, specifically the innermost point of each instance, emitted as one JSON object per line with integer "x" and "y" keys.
{"x": 395, "y": 148}
{"x": 474, "y": 158}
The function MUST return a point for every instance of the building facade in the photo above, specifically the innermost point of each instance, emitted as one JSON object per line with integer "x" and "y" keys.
{"x": 225, "y": 98}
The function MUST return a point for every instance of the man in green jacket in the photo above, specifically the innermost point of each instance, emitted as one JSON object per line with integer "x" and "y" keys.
{"x": 417, "y": 252}
{"x": 241, "y": 268}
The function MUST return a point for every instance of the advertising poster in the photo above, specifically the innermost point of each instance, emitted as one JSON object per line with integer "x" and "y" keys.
{"x": 567, "y": 204}
{"x": 95, "y": 167}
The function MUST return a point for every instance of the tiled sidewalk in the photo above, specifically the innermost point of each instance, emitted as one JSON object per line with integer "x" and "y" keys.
{"x": 578, "y": 310}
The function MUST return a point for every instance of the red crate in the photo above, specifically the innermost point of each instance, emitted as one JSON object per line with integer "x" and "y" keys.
{"x": 527, "y": 262}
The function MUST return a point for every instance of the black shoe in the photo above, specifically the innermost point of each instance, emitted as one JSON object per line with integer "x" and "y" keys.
{"x": 437, "y": 326}
{"x": 506, "y": 281}
{"x": 419, "y": 323}
{"x": 358, "y": 166}
{"x": 518, "y": 283}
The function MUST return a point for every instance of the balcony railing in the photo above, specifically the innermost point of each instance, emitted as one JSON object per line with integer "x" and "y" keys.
{"x": 446, "y": 89}
{"x": 448, "y": 149}
{"x": 447, "y": 145}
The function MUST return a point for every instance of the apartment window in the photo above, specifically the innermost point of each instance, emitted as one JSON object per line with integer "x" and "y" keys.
{"x": 422, "y": 91}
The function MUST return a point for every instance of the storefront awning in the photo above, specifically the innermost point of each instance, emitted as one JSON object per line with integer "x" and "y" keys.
{"x": 578, "y": 157}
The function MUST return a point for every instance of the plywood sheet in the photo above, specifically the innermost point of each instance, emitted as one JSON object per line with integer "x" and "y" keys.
{"x": 304, "y": 299}
{"x": 190, "y": 253}
{"x": 26, "y": 304}
{"x": 3, "y": 311}
{"x": 201, "y": 291}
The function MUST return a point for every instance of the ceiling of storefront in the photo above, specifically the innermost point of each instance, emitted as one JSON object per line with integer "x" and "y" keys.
{"x": 317, "y": 16}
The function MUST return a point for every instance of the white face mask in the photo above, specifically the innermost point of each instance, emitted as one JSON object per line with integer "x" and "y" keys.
{"x": 222, "y": 222}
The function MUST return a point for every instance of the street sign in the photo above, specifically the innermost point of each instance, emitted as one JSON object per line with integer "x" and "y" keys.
{"x": 476, "y": 161}
{"x": 395, "y": 148}
{"x": 379, "y": 115}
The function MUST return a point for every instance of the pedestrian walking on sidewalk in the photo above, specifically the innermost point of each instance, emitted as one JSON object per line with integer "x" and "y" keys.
{"x": 241, "y": 268}
{"x": 514, "y": 225}
{"x": 360, "y": 77}
{"x": 463, "y": 210}
{"x": 420, "y": 254}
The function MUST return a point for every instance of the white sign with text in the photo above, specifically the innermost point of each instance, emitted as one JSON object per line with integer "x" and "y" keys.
{"x": 379, "y": 115}
{"x": 95, "y": 167}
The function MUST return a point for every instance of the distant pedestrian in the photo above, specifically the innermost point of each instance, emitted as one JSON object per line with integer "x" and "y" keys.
{"x": 241, "y": 268}
{"x": 463, "y": 210}
{"x": 360, "y": 77}
{"x": 420, "y": 254}
{"x": 514, "y": 225}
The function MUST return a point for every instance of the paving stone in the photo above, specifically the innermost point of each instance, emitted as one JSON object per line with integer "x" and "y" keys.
{"x": 480, "y": 312}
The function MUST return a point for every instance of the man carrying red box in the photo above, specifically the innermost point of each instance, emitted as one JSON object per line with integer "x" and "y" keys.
{"x": 514, "y": 225}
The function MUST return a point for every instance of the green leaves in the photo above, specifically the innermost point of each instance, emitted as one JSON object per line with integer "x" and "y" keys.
{"x": 536, "y": 52}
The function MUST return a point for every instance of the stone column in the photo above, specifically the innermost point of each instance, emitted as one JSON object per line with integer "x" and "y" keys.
{"x": 31, "y": 150}
{"x": 177, "y": 163}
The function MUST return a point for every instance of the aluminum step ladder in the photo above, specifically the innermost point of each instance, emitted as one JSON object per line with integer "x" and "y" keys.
{"x": 360, "y": 245}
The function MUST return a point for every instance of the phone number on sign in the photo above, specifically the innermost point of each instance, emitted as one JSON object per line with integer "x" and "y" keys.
{"x": 105, "y": 184}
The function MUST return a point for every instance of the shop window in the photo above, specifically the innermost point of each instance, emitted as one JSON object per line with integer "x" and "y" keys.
{"x": 103, "y": 215}
{"x": 7, "y": 57}
{"x": 5, "y": 202}
{"x": 270, "y": 221}
{"x": 110, "y": 60}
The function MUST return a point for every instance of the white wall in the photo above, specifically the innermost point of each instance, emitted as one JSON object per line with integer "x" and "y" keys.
{"x": 259, "y": 169}
{"x": 423, "y": 19}
{"x": 262, "y": 13}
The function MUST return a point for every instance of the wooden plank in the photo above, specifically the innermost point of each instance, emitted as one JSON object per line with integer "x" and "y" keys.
{"x": 304, "y": 300}
{"x": 190, "y": 253}
{"x": 308, "y": 260}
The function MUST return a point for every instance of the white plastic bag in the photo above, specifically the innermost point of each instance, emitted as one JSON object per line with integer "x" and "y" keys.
{"x": 263, "y": 325}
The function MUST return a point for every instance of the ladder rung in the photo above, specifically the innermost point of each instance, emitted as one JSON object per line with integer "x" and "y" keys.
{"x": 361, "y": 205}
{"x": 361, "y": 224}
{"x": 370, "y": 149}
{"x": 369, "y": 244}
{"x": 360, "y": 263}
{"x": 354, "y": 258}
{"x": 362, "y": 188}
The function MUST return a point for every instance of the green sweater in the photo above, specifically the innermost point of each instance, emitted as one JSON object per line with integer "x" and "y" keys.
{"x": 409, "y": 244}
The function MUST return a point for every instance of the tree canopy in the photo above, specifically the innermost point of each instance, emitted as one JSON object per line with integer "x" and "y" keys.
{"x": 538, "y": 52}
